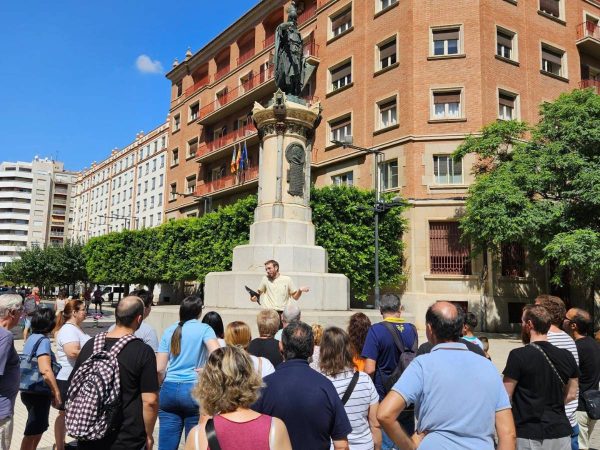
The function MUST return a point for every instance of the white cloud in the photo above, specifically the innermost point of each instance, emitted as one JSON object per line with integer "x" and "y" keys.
{"x": 145, "y": 64}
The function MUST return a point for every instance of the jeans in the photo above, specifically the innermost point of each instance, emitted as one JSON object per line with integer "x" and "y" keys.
{"x": 575, "y": 438}
{"x": 177, "y": 409}
{"x": 407, "y": 421}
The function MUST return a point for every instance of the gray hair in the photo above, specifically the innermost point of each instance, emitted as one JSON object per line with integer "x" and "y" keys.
{"x": 291, "y": 313}
{"x": 10, "y": 302}
{"x": 389, "y": 303}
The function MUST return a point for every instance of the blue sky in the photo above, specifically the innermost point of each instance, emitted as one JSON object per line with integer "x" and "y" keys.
{"x": 71, "y": 87}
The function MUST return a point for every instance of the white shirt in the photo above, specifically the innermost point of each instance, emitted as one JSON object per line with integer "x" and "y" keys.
{"x": 68, "y": 334}
{"x": 146, "y": 333}
{"x": 266, "y": 369}
{"x": 564, "y": 341}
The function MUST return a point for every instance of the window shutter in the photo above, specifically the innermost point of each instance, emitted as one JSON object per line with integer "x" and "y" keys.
{"x": 505, "y": 39}
{"x": 551, "y": 7}
{"x": 507, "y": 100}
{"x": 387, "y": 50}
{"x": 446, "y": 97}
{"x": 551, "y": 56}
{"x": 341, "y": 19}
{"x": 341, "y": 72}
{"x": 444, "y": 35}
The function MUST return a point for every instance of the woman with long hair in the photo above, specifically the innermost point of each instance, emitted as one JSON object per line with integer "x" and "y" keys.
{"x": 214, "y": 320}
{"x": 238, "y": 334}
{"x": 358, "y": 327}
{"x": 228, "y": 386}
{"x": 184, "y": 345}
{"x": 336, "y": 364}
{"x": 37, "y": 344}
{"x": 69, "y": 341}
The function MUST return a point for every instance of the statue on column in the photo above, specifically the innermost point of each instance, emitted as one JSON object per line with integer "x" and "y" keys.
{"x": 289, "y": 61}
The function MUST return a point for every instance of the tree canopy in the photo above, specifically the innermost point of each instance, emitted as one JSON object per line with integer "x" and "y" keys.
{"x": 540, "y": 186}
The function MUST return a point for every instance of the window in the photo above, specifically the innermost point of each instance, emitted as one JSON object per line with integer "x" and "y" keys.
{"x": 222, "y": 96}
{"x": 152, "y": 201}
{"x": 162, "y": 161}
{"x": 340, "y": 129}
{"x": 343, "y": 179}
{"x": 246, "y": 82}
{"x": 446, "y": 105}
{"x": 179, "y": 87}
{"x": 130, "y": 192}
{"x": 387, "y": 113}
{"x": 552, "y": 60}
{"x": 172, "y": 192}
{"x": 158, "y": 218}
{"x": 163, "y": 142}
{"x": 154, "y": 164}
{"x": 341, "y": 76}
{"x": 447, "y": 170}
{"x": 176, "y": 122}
{"x": 341, "y": 22}
{"x": 447, "y": 254}
{"x": 160, "y": 180}
{"x": 551, "y": 7}
{"x": 159, "y": 202}
{"x": 147, "y": 168}
{"x": 192, "y": 148}
{"x": 139, "y": 189}
{"x": 504, "y": 44}
{"x": 446, "y": 42}
{"x": 389, "y": 174}
{"x": 387, "y": 54}
{"x": 383, "y": 4}
{"x": 145, "y": 204}
{"x": 513, "y": 260}
{"x": 190, "y": 186}
{"x": 194, "y": 109}
{"x": 506, "y": 105}
{"x": 175, "y": 157}
{"x": 137, "y": 207}
{"x": 153, "y": 183}
{"x": 146, "y": 186}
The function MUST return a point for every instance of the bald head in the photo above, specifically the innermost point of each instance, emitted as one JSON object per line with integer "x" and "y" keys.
{"x": 128, "y": 310}
{"x": 446, "y": 321}
{"x": 580, "y": 321}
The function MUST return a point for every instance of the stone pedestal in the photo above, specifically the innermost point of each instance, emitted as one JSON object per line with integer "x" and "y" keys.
{"x": 282, "y": 228}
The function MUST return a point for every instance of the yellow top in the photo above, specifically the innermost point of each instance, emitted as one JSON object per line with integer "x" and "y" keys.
{"x": 277, "y": 292}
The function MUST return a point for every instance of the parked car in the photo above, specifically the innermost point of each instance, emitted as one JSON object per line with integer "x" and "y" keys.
{"x": 113, "y": 294}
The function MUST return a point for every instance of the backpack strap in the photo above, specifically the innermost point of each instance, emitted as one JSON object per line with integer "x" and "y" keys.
{"x": 121, "y": 343}
{"x": 350, "y": 387}
{"x": 211, "y": 435}
{"x": 99, "y": 342}
{"x": 396, "y": 336}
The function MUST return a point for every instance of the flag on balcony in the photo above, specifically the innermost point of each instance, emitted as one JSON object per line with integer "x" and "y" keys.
{"x": 244, "y": 160}
{"x": 239, "y": 162}
{"x": 233, "y": 167}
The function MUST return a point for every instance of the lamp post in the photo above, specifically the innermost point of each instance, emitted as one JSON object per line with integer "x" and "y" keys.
{"x": 380, "y": 207}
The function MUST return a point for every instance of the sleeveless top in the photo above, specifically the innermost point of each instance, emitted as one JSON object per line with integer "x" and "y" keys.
{"x": 250, "y": 435}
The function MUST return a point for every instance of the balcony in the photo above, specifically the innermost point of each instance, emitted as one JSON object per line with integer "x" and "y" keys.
{"x": 222, "y": 72}
{"x": 595, "y": 84}
{"x": 57, "y": 234}
{"x": 228, "y": 184}
{"x": 270, "y": 40}
{"x": 588, "y": 38}
{"x": 245, "y": 57}
{"x": 260, "y": 84}
{"x": 197, "y": 86}
{"x": 58, "y": 212}
{"x": 214, "y": 149}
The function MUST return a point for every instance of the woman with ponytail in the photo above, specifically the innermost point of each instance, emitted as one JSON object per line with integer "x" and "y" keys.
{"x": 183, "y": 346}
{"x": 69, "y": 341}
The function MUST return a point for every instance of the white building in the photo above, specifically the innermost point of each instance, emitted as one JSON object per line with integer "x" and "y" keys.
{"x": 126, "y": 190}
{"x": 35, "y": 205}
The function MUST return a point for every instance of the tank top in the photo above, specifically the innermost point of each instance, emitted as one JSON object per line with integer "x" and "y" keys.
{"x": 250, "y": 435}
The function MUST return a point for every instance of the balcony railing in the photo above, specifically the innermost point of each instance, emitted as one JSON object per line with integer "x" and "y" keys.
{"x": 588, "y": 29}
{"x": 197, "y": 86}
{"x": 270, "y": 40}
{"x": 226, "y": 139}
{"x": 228, "y": 181}
{"x": 234, "y": 94}
{"x": 58, "y": 212}
{"x": 57, "y": 233}
{"x": 246, "y": 56}
{"x": 590, "y": 84}
{"x": 222, "y": 72}
{"x": 307, "y": 14}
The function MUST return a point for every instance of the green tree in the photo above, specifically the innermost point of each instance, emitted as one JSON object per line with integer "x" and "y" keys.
{"x": 544, "y": 191}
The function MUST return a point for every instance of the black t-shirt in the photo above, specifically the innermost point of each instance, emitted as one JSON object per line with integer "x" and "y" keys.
{"x": 427, "y": 346}
{"x": 588, "y": 350}
{"x": 538, "y": 399}
{"x": 137, "y": 371}
{"x": 267, "y": 348}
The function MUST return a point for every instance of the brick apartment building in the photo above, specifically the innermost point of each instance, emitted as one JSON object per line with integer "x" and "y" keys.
{"x": 126, "y": 190}
{"x": 408, "y": 77}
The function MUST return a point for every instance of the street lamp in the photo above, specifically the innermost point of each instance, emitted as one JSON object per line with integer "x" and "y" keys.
{"x": 380, "y": 207}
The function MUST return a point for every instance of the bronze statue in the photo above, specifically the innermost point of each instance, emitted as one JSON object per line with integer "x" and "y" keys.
{"x": 289, "y": 61}
{"x": 296, "y": 157}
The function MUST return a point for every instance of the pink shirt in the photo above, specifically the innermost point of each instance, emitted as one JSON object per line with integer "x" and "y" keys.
{"x": 250, "y": 435}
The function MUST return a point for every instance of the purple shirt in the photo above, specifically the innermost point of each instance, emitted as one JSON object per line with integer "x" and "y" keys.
{"x": 9, "y": 374}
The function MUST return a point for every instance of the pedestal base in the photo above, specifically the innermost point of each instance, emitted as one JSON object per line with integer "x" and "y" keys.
{"x": 328, "y": 292}
{"x": 292, "y": 258}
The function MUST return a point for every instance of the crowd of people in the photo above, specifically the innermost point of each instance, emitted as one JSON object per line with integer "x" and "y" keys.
{"x": 301, "y": 386}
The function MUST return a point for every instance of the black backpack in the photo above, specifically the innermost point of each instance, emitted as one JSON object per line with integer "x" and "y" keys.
{"x": 406, "y": 355}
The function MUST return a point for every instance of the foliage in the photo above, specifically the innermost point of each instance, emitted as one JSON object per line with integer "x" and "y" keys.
{"x": 544, "y": 192}
{"x": 47, "y": 266}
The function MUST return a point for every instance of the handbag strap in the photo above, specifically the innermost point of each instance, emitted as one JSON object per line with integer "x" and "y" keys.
{"x": 350, "y": 387}
{"x": 211, "y": 435}
{"x": 35, "y": 348}
{"x": 549, "y": 362}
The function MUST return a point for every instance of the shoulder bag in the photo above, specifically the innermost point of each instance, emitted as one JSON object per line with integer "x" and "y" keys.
{"x": 32, "y": 381}
{"x": 350, "y": 387}
{"x": 211, "y": 435}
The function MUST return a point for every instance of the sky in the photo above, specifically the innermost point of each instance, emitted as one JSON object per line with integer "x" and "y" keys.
{"x": 80, "y": 78}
